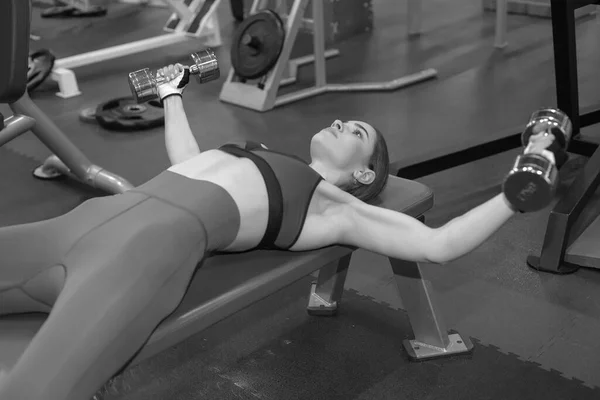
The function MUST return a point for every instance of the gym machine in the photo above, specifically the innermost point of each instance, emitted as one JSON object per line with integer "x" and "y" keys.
{"x": 261, "y": 64}
{"x": 67, "y": 159}
{"x": 191, "y": 19}
{"x": 573, "y": 230}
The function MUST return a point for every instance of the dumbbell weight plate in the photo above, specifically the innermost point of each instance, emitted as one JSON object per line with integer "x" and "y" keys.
{"x": 205, "y": 66}
{"x": 143, "y": 85}
{"x": 554, "y": 121}
{"x": 531, "y": 184}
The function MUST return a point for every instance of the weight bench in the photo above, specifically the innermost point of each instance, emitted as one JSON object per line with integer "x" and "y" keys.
{"x": 226, "y": 284}
{"x": 67, "y": 159}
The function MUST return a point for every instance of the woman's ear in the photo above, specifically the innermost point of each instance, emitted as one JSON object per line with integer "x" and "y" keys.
{"x": 365, "y": 176}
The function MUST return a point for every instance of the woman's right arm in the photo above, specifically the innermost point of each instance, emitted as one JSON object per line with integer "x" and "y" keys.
{"x": 179, "y": 140}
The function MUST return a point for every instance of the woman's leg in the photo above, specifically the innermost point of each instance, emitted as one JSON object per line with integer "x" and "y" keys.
{"x": 124, "y": 278}
{"x": 31, "y": 270}
{"x": 31, "y": 276}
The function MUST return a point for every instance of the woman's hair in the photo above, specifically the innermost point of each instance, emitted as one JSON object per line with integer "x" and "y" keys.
{"x": 379, "y": 162}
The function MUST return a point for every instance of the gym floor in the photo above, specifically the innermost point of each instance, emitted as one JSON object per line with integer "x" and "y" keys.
{"x": 534, "y": 334}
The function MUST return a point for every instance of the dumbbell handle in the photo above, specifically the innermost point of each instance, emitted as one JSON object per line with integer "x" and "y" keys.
{"x": 205, "y": 67}
{"x": 160, "y": 78}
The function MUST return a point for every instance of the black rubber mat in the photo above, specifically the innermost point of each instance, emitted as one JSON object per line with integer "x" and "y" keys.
{"x": 274, "y": 350}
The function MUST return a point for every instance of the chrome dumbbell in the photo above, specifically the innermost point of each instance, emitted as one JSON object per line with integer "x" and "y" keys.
{"x": 144, "y": 83}
{"x": 531, "y": 183}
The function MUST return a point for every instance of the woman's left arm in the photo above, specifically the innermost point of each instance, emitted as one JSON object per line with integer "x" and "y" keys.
{"x": 398, "y": 235}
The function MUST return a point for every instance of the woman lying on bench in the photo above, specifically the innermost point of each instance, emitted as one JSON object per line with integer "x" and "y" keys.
{"x": 114, "y": 267}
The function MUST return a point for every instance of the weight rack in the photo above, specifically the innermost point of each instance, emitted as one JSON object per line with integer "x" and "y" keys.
{"x": 263, "y": 95}
{"x": 566, "y": 221}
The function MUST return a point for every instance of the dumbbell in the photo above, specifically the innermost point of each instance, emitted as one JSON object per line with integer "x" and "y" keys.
{"x": 531, "y": 183}
{"x": 144, "y": 83}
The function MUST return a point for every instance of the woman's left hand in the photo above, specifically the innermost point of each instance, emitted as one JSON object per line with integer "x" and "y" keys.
{"x": 539, "y": 143}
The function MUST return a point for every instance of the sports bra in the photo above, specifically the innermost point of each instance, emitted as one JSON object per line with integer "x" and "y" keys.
{"x": 290, "y": 182}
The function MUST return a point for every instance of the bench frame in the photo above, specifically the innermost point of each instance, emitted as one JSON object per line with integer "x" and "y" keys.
{"x": 431, "y": 337}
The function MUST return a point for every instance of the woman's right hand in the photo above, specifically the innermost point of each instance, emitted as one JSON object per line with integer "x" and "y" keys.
{"x": 176, "y": 78}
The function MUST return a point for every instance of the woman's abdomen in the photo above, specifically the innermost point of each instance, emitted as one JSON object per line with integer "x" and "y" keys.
{"x": 242, "y": 180}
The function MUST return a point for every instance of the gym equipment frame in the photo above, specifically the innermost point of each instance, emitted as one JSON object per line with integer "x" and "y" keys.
{"x": 191, "y": 19}
{"x": 28, "y": 116}
{"x": 263, "y": 96}
{"x": 571, "y": 239}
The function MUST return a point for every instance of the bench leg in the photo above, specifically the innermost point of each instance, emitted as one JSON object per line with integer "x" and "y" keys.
{"x": 431, "y": 337}
{"x": 326, "y": 292}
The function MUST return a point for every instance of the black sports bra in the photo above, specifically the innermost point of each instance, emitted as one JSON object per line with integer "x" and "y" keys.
{"x": 290, "y": 182}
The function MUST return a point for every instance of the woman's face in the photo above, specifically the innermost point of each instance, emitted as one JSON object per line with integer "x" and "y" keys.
{"x": 344, "y": 146}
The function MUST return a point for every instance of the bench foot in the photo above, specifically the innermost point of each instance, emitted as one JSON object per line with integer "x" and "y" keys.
{"x": 418, "y": 351}
{"x": 317, "y": 306}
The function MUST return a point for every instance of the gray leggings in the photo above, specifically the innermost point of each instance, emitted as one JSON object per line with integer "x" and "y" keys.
{"x": 108, "y": 273}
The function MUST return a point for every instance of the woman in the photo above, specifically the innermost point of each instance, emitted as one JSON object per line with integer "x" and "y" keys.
{"x": 113, "y": 268}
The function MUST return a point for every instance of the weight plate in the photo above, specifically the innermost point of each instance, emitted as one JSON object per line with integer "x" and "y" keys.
{"x": 257, "y": 44}
{"x": 124, "y": 114}
{"x": 41, "y": 63}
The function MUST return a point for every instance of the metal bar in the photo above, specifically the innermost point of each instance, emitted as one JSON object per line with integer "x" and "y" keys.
{"x": 179, "y": 8}
{"x": 357, "y": 87}
{"x": 565, "y": 60}
{"x": 582, "y": 147}
{"x": 319, "y": 43}
{"x": 257, "y": 5}
{"x": 414, "y": 12}
{"x": 110, "y": 53}
{"x": 51, "y": 135}
{"x": 14, "y": 126}
{"x": 501, "y": 23}
{"x": 589, "y": 116}
{"x": 575, "y": 4}
{"x": 66, "y": 152}
{"x": 458, "y": 154}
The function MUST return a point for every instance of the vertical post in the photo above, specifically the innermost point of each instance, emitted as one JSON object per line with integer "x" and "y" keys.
{"x": 257, "y": 5}
{"x": 319, "y": 43}
{"x": 418, "y": 301}
{"x": 327, "y": 292}
{"x": 501, "y": 23}
{"x": 292, "y": 26}
{"x": 414, "y": 12}
{"x": 565, "y": 60}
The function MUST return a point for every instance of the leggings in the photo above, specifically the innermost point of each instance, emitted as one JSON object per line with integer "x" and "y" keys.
{"x": 108, "y": 273}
